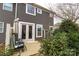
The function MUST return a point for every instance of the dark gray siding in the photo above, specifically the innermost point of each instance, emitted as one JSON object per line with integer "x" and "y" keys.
{"x": 1, "y": 20}
{"x": 6, "y": 17}
{"x": 38, "y": 19}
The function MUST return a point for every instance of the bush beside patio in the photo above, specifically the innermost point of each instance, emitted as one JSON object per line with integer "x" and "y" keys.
{"x": 63, "y": 42}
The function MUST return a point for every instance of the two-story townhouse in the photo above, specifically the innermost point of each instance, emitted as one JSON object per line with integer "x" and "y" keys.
{"x": 33, "y": 23}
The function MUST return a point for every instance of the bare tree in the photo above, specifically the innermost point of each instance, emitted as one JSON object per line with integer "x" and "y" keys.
{"x": 68, "y": 11}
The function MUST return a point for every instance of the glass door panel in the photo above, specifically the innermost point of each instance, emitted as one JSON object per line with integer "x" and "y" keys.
{"x": 30, "y": 31}
{"x": 23, "y": 31}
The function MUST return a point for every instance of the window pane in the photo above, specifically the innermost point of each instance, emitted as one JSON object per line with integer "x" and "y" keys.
{"x": 0, "y": 30}
{"x": 1, "y": 25}
{"x": 23, "y": 31}
{"x": 51, "y": 28}
{"x": 39, "y": 31}
{"x": 39, "y": 10}
{"x": 30, "y": 9}
{"x": 7, "y": 6}
{"x": 30, "y": 32}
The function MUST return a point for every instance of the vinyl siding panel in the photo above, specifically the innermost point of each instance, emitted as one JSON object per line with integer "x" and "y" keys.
{"x": 43, "y": 18}
{"x": 6, "y": 17}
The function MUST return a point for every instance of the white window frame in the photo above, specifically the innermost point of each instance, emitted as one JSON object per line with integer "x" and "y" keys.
{"x": 38, "y": 10}
{"x": 2, "y": 27}
{"x": 8, "y": 10}
{"x": 37, "y": 26}
{"x": 28, "y": 12}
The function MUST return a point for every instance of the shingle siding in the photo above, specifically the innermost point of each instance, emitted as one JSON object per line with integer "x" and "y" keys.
{"x": 38, "y": 19}
{"x": 8, "y": 17}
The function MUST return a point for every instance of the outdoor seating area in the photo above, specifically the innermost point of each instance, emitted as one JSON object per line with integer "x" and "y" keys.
{"x": 30, "y": 49}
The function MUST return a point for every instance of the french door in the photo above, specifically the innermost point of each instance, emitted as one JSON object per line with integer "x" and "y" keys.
{"x": 27, "y": 31}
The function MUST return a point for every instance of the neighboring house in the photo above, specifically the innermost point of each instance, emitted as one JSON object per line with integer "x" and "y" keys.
{"x": 33, "y": 24}
{"x": 77, "y": 22}
{"x": 57, "y": 21}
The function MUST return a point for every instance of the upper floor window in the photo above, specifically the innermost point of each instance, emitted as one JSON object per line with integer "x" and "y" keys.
{"x": 1, "y": 27}
{"x": 39, "y": 10}
{"x": 8, "y": 6}
{"x": 30, "y": 9}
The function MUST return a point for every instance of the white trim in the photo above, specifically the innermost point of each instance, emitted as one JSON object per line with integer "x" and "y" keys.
{"x": 8, "y": 10}
{"x": 44, "y": 33}
{"x": 27, "y": 30}
{"x": 30, "y": 13}
{"x": 39, "y": 25}
{"x": 2, "y": 27}
{"x": 8, "y": 35}
{"x": 40, "y": 12}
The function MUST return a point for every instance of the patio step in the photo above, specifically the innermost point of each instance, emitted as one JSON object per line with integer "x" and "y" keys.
{"x": 32, "y": 48}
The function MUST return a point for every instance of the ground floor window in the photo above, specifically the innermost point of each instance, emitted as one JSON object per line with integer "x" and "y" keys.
{"x": 1, "y": 27}
{"x": 39, "y": 30}
{"x": 51, "y": 30}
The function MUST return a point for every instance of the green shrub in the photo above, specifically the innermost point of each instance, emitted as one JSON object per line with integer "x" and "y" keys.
{"x": 7, "y": 52}
{"x": 68, "y": 26}
{"x": 72, "y": 31}
{"x": 64, "y": 41}
{"x": 73, "y": 41}
{"x": 56, "y": 46}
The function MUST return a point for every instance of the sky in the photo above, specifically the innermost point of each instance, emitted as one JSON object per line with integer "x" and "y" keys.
{"x": 45, "y": 3}
{"x": 40, "y": 2}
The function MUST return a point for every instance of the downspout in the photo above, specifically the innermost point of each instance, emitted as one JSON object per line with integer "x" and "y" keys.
{"x": 14, "y": 26}
{"x": 16, "y": 21}
{"x": 16, "y": 11}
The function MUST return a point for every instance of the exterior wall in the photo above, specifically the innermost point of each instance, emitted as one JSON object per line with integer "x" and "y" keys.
{"x": 6, "y": 17}
{"x": 38, "y": 19}
{"x": 1, "y": 20}
{"x": 43, "y": 18}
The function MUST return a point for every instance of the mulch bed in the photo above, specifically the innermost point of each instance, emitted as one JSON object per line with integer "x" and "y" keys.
{"x": 2, "y": 48}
